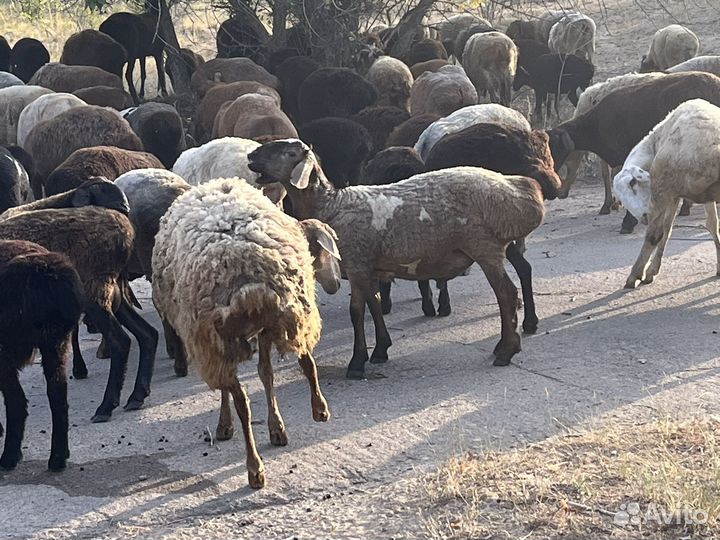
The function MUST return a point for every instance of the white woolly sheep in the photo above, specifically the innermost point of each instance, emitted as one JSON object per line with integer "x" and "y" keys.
{"x": 431, "y": 226}
{"x": 393, "y": 81}
{"x": 708, "y": 64}
{"x": 573, "y": 34}
{"x": 222, "y": 158}
{"x": 44, "y": 108}
{"x": 490, "y": 61}
{"x": 442, "y": 92}
{"x": 267, "y": 291}
{"x": 670, "y": 46}
{"x": 679, "y": 158}
{"x": 12, "y": 102}
{"x": 466, "y": 117}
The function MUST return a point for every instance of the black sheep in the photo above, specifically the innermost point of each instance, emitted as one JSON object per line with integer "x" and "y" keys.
{"x": 93, "y": 48}
{"x": 160, "y": 129}
{"x": 529, "y": 51}
{"x": 408, "y": 133}
{"x": 334, "y": 92}
{"x": 424, "y": 50}
{"x": 277, "y": 57}
{"x": 5, "y": 51}
{"x": 341, "y": 144}
{"x": 292, "y": 73}
{"x": 237, "y": 39}
{"x": 27, "y": 56}
{"x": 14, "y": 181}
{"x": 380, "y": 122}
{"x": 41, "y": 301}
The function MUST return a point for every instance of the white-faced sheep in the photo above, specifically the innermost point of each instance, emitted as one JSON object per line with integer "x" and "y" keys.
{"x": 465, "y": 117}
{"x": 679, "y": 158}
{"x": 393, "y": 81}
{"x": 44, "y": 108}
{"x": 268, "y": 292}
{"x": 490, "y": 61}
{"x": 442, "y": 92}
{"x": 62, "y": 78}
{"x": 160, "y": 129}
{"x": 253, "y": 116}
{"x": 431, "y": 226}
{"x": 573, "y": 34}
{"x": 41, "y": 299}
{"x": 12, "y": 102}
{"x": 670, "y": 46}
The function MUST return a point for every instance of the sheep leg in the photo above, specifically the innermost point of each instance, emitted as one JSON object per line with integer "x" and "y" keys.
{"x": 130, "y": 82}
{"x": 160, "y": 65}
{"x": 628, "y": 223}
{"x": 147, "y": 338}
{"x": 53, "y": 363}
{"x": 79, "y": 370}
{"x": 572, "y": 165}
{"x": 685, "y": 208}
{"x": 119, "y": 342}
{"x": 659, "y": 227}
{"x": 16, "y": 413}
{"x": 385, "y": 299}
{"x": 175, "y": 349}
{"x": 607, "y": 183}
{"x": 143, "y": 75}
{"x": 358, "y": 293}
{"x": 656, "y": 260}
{"x": 225, "y": 429}
{"x": 320, "y": 410}
{"x": 428, "y": 307}
{"x": 711, "y": 224}
{"x": 444, "y": 308}
{"x": 255, "y": 466}
{"x": 538, "y": 113}
{"x": 524, "y": 272}
{"x": 276, "y": 425}
{"x": 382, "y": 336}
{"x": 102, "y": 352}
{"x": 507, "y": 297}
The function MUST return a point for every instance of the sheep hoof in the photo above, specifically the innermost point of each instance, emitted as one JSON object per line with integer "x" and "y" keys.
{"x": 257, "y": 479}
{"x": 57, "y": 464}
{"x": 605, "y": 210}
{"x": 530, "y": 327}
{"x": 379, "y": 358}
{"x": 278, "y": 438}
{"x": 647, "y": 280}
{"x": 80, "y": 373}
{"x": 631, "y": 283}
{"x": 8, "y": 463}
{"x": 626, "y": 229}
{"x": 103, "y": 351}
{"x": 321, "y": 415}
{"x": 181, "y": 369}
{"x": 444, "y": 311}
{"x": 355, "y": 374}
{"x": 386, "y": 306}
{"x": 428, "y": 310}
{"x": 134, "y": 404}
{"x": 101, "y": 417}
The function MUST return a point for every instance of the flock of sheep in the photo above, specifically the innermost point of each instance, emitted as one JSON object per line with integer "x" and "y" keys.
{"x": 290, "y": 173}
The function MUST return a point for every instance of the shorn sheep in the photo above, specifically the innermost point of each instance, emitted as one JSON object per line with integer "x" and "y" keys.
{"x": 41, "y": 299}
{"x": 44, "y": 108}
{"x": 490, "y": 61}
{"x": 679, "y": 158}
{"x": 670, "y": 46}
{"x": 393, "y": 81}
{"x": 267, "y": 291}
{"x": 431, "y": 226}
{"x": 573, "y": 34}
{"x": 442, "y": 92}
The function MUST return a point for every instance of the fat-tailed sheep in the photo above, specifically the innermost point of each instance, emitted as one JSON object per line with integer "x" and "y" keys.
{"x": 490, "y": 61}
{"x": 393, "y": 81}
{"x": 573, "y": 34}
{"x": 670, "y": 46}
{"x": 442, "y": 92}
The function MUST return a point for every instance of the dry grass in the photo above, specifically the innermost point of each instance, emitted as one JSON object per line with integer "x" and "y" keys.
{"x": 571, "y": 486}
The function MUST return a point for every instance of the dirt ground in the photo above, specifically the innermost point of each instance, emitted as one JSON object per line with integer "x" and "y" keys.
{"x": 602, "y": 355}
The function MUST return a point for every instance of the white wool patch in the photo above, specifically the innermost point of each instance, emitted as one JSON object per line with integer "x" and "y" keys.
{"x": 382, "y": 208}
{"x": 412, "y": 267}
{"x": 463, "y": 220}
{"x": 424, "y": 216}
{"x": 632, "y": 187}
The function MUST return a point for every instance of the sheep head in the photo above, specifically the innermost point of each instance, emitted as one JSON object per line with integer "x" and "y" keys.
{"x": 561, "y": 146}
{"x": 632, "y": 186}
{"x": 326, "y": 256}
{"x": 545, "y": 173}
{"x": 290, "y": 162}
{"x": 99, "y": 191}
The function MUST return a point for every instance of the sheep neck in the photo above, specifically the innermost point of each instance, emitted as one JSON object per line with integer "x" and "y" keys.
{"x": 586, "y": 135}
{"x": 316, "y": 201}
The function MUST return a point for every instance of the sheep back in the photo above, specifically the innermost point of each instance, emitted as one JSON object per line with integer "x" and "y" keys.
{"x": 392, "y": 80}
{"x": 12, "y": 102}
{"x": 228, "y": 70}
{"x": 105, "y": 96}
{"x": 292, "y": 73}
{"x": 44, "y": 108}
{"x": 220, "y": 158}
{"x": 380, "y": 122}
{"x": 61, "y": 78}
{"x": 490, "y": 61}
{"x": 442, "y": 92}
{"x": 670, "y": 46}
{"x": 708, "y": 64}
{"x": 336, "y": 92}
{"x": 407, "y": 133}
{"x": 253, "y": 116}
{"x": 160, "y": 129}
{"x": 8, "y": 79}
{"x": 92, "y": 48}
{"x": 14, "y": 182}
{"x": 573, "y": 34}
{"x": 392, "y": 165}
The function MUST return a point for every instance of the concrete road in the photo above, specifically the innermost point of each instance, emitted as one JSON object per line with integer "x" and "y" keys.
{"x": 601, "y": 353}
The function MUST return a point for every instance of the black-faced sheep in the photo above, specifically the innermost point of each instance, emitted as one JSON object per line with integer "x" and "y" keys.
{"x": 341, "y": 144}
{"x": 105, "y": 96}
{"x": 107, "y": 161}
{"x": 334, "y": 92}
{"x": 442, "y": 92}
{"x": 490, "y": 61}
{"x": 292, "y": 73}
{"x": 160, "y": 129}
{"x": 670, "y": 46}
{"x": 403, "y": 231}
{"x": 41, "y": 299}
{"x": 52, "y": 141}
{"x": 92, "y": 48}
{"x": 380, "y": 122}
{"x": 44, "y": 108}
{"x": 408, "y": 133}
{"x": 253, "y": 116}
{"x": 27, "y": 56}
{"x": 392, "y": 80}
{"x": 15, "y": 186}
{"x": 269, "y": 293}
{"x": 62, "y": 78}
{"x": 424, "y": 50}
{"x": 229, "y": 70}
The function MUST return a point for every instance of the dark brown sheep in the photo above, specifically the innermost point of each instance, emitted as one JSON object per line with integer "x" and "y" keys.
{"x": 229, "y": 70}
{"x": 92, "y": 48}
{"x": 62, "y": 78}
{"x": 160, "y": 129}
{"x": 338, "y": 92}
{"x": 429, "y": 65}
{"x": 424, "y": 50}
{"x": 105, "y": 96}
{"x": 27, "y": 56}
{"x": 292, "y": 73}
{"x": 408, "y": 133}
{"x": 380, "y": 122}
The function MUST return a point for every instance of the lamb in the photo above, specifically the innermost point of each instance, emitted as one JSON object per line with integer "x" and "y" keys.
{"x": 407, "y": 133}
{"x": 380, "y": 121}
{"x": 465, "y": 117}
{"x": 442, "y": 92}
{"x": 160, "y": 128}
{"x": 62, "y": 78}
{"x": 8, "y": 79}
{"x": 210, "y": 104}
{"x": 253, "y": 116}
{"x": 52, "y": 141}
{"x": 392, "y": 80}
{"x": 431, "y": 65}
{"x": 615, "y": 125}
{"x": 269, "y": 293}
{"x": 341, "y": 144}
{"x": 105, "y": 96}
{"x": 27, "y": 56}
{"x": 333, "y": 92}
{"x": 14, "y": 182}
{"x": 292, "y": 73}
{"x": 424, "y": 50}
{"x": 670, "y": 46}
{"x": 228, "y": 70}
{"x": 708, "y": 64}
{"x": 41, "y": 299}
{"x": 44, "y": 108}
{"x": 573, "y": 34}
{"x": 679, "y": 158}
{"x": 150, "y": 192}
{"x": 107, "y": 235}
{"x": 12, "y": 102}
{"x": 107, "y": 161}
{"x": 93, "y": 48}
{"x": 490, "y": 61}
{"x": 379, "y": 225}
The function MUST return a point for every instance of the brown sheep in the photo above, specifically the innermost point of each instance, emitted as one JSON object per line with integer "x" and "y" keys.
{"x": 430, "y": 65}
{"x": 228, "y": 70}
{"x": 252, "y": 116}
{"x": 62, "y": 78}
{"x": 92, "y": 48}
{"x": 408, "y": 133}
{"x": 105, "y": 96}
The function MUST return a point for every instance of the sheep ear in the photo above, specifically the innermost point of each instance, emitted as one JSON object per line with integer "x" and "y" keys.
{"x": 327, "y": 242}
{"x": 300, "y": 176}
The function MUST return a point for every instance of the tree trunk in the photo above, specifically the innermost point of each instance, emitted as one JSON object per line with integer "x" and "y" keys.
{"x": 279, "y": 36}
{"x": 407, "y": 28}
{"x": 175, "y": 63}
